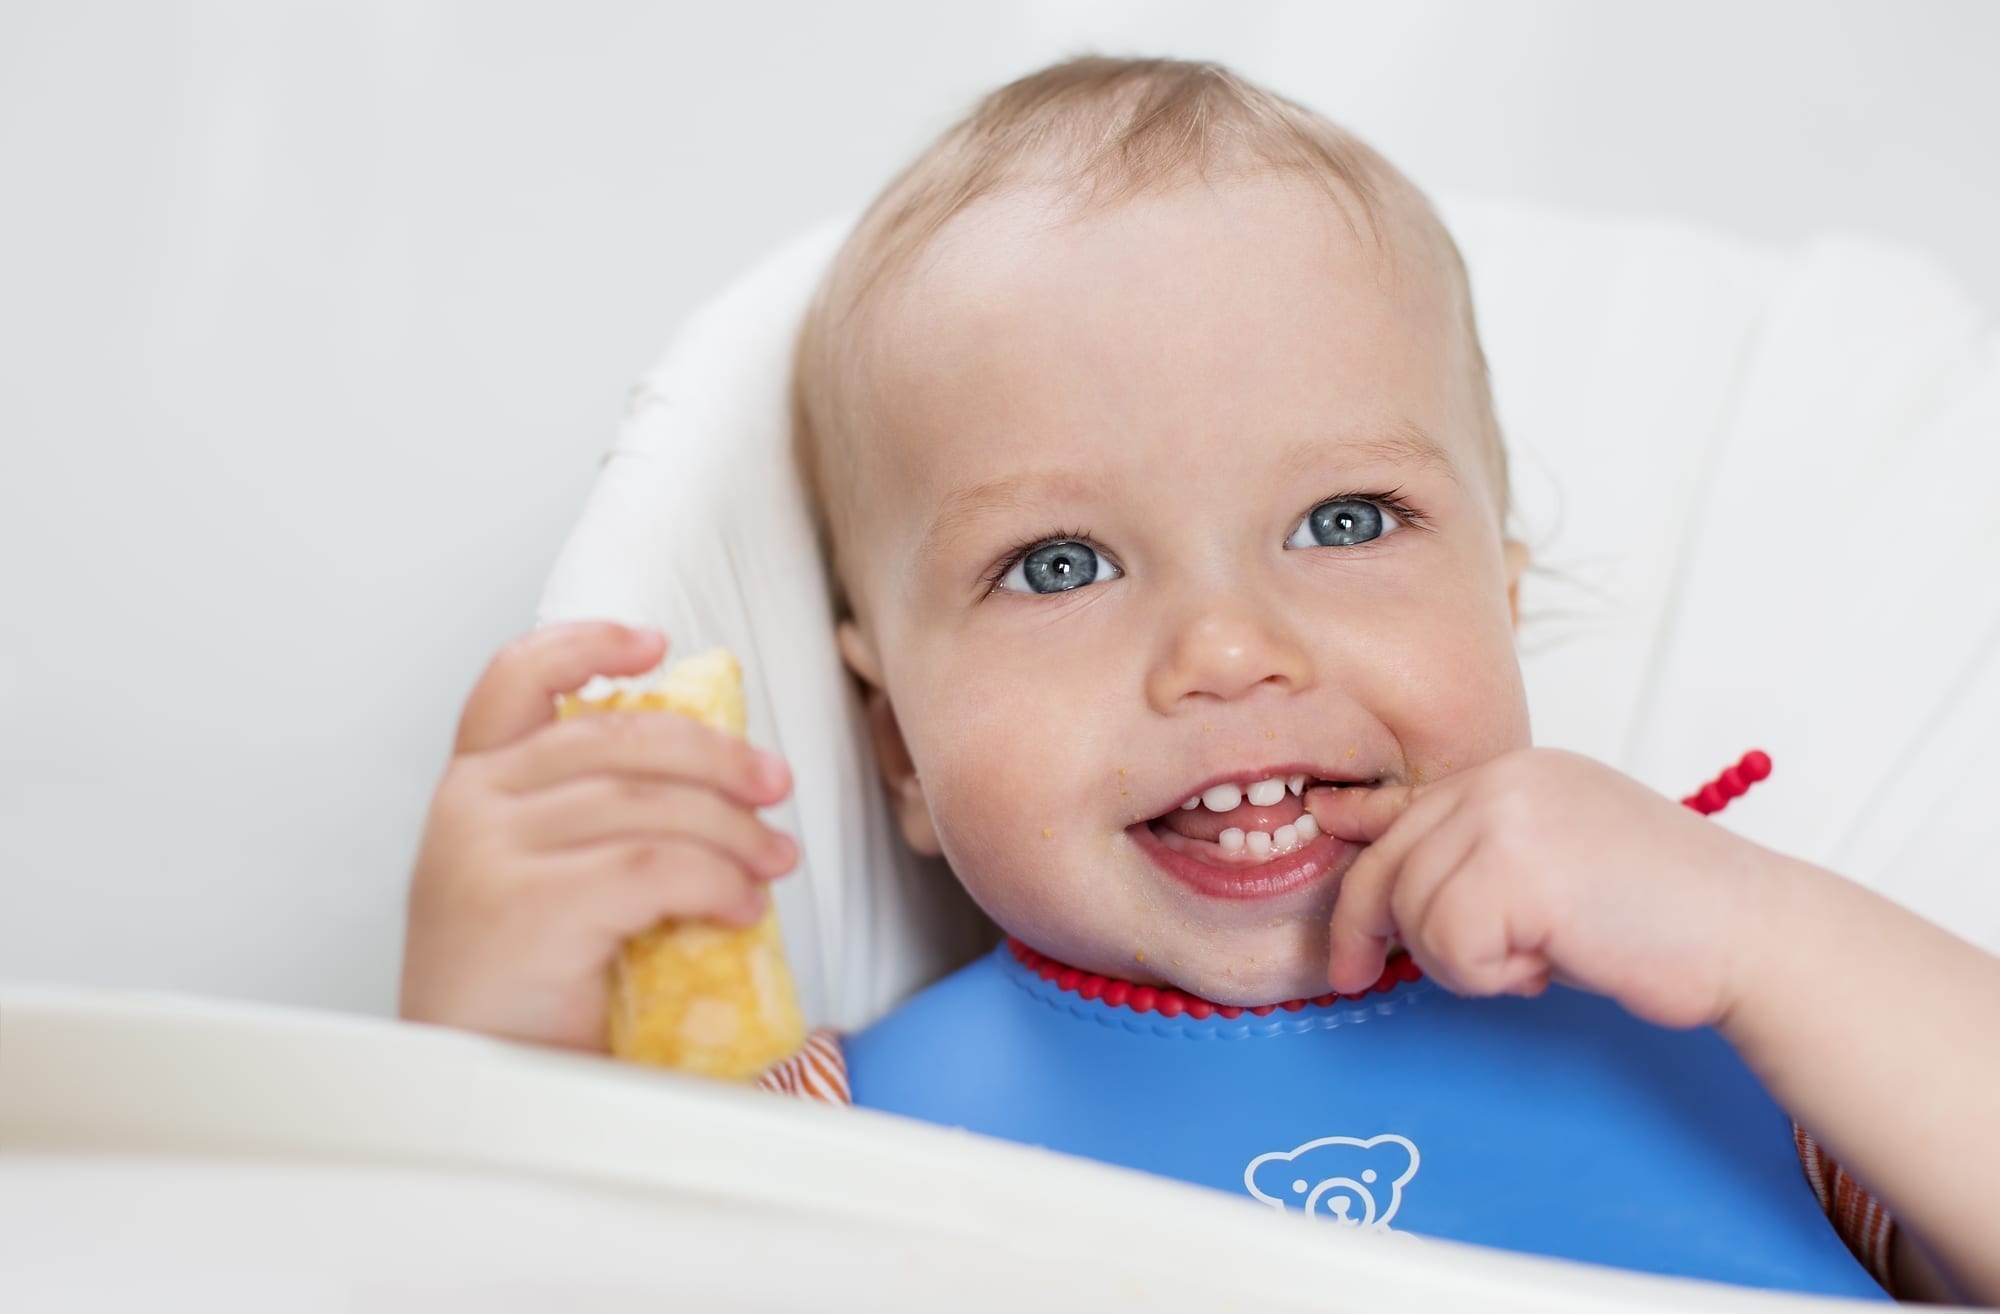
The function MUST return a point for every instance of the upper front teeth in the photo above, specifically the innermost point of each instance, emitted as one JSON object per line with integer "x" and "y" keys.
{"x": 1262, "y": 793}
{"x": 1221, "y": 798}
{"x": 1266, "y": 792}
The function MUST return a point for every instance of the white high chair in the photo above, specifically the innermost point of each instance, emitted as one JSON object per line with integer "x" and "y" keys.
{"x": 1770, "y": 481}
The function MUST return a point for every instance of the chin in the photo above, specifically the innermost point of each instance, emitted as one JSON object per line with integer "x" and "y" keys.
{"x": 1267, "y": 968}
{"x": 1251, "y": 966}
{"x": 1253, "y": 985}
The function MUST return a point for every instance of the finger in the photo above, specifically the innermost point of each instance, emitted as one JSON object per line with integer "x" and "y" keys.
{"x": 1464, "y": 937}
{"x": 1428, "y": 874}
{"x": 593, "y": 809}
{"x": 656, "y": 744}
{"x": 1363, "y": 919}
{"x": 1411, "y": 816}
{"x": 1362, "y": 924}
{"x": 1358, "y": 814}
{"x": 652, "y": 880}
{"x": 518, "y": 689}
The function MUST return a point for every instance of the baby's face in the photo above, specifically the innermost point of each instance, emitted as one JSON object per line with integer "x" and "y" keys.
{"x": 1157, "y": 504}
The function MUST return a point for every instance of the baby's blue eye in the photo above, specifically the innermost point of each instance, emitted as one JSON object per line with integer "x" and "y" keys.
{"x": 1343, "y": 522}
{"x": 1056, "y": 567}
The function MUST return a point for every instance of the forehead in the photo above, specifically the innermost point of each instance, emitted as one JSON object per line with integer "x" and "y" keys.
{"x": 1178, "y": 327}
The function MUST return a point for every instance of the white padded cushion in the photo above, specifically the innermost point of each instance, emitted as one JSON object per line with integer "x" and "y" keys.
{"x": 1769, "y": 478}
{"x": 697, "y": 524}
{"x": 1780, "y": 471}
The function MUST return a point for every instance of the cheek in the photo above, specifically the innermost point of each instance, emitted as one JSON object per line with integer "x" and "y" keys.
{"x": 1442, "y": 675}
{"x": 1007, "y": 748}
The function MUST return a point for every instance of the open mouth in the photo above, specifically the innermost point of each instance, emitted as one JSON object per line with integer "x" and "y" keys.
{"x": 1248, "y": 837}
{"x": 1244, "y": 823}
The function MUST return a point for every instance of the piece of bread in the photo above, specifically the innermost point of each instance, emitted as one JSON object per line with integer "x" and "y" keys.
{"x": 703, "y": 998}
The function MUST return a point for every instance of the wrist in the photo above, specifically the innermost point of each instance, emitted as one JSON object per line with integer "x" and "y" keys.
{"x": 1764, "y": 922}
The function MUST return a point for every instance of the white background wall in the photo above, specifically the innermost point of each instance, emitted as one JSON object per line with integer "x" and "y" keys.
{"x": 314, "y": 319}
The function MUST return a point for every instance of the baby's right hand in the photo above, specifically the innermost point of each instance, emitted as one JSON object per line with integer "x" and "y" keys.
{"x": 549, "y": 843}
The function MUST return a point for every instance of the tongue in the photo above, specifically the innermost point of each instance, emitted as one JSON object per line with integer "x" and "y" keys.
{"x": 1201, "y": 824}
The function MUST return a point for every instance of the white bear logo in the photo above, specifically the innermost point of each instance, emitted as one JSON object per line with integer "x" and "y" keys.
{"x": 1340, "y": 1177}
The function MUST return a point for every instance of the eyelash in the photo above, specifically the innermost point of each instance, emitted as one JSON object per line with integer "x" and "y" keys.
{"x": 1011, "y": 558}
{"x": 1392, "y": 499}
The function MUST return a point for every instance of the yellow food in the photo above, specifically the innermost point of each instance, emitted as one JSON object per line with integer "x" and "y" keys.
{"x": 716, "y": 1000}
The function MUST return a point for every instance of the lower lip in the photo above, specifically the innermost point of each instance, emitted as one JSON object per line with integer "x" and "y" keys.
{"x": 1268, "y": 880}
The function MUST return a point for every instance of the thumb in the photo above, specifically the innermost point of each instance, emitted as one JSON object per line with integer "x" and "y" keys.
{"x": 517, "y": 692}
{"x": 1356, "y": 814}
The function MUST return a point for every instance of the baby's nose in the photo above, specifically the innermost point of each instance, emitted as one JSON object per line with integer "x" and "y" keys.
{"x": 1225, "y": 651}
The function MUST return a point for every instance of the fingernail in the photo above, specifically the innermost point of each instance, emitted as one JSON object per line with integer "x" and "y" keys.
{"x": 772, "y": 768}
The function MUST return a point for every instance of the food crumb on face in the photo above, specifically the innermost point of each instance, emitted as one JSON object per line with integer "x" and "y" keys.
{"x": 1121, "y": 771}
{"x": 1208, "y": 729}
{"x": 1350, "y": 752}
{"x": 1270, "y": 734}
{"x": 1139, "y": 957}
{"x": 1047, "y": 833}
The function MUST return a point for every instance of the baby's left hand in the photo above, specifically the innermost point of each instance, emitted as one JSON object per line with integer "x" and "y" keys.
{"x": 1540, "y": 864}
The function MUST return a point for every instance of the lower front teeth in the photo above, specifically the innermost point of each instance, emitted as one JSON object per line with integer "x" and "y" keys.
{"x": 1262, "y": 844}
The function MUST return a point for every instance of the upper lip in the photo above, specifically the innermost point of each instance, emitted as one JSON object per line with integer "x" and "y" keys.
{"x": 1250, "y": 775}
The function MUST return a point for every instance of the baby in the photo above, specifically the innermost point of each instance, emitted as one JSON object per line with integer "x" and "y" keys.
{"x": 1149, "y": 429}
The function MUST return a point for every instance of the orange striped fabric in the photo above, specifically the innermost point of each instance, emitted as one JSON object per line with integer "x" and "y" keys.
{"x": 1860, "y": 1219}
{"x": 817, "y": 1072}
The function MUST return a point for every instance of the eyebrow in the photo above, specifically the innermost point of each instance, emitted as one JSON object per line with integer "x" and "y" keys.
{"x": 1007, "y": 493}
{"x": 1402, "y": 444}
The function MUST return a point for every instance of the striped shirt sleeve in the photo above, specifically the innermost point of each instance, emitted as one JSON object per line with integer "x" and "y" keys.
{"x": 817, "y": 1072}
{"x": 1857, "y": 1216}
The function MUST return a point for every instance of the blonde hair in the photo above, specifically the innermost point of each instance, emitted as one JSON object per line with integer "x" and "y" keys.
{"x": 1103, "y": 131}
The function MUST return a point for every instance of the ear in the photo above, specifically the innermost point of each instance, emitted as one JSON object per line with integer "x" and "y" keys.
{"x": 1514, "y": 554}
{"x": 892, "y": 755}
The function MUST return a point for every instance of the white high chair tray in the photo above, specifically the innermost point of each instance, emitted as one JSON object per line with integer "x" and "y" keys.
{"x": 161, "y": 1152}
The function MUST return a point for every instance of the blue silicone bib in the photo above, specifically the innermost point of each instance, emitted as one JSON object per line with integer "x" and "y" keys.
{"x": 1559, "y": 1126}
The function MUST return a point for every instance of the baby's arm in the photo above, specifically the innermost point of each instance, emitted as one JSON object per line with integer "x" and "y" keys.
{"x": 1875, "y": 1028}
{"x": 1880, "y": 1032}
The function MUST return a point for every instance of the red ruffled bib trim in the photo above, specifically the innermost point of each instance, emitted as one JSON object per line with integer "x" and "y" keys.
{"x": 1169, "y": 1002}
